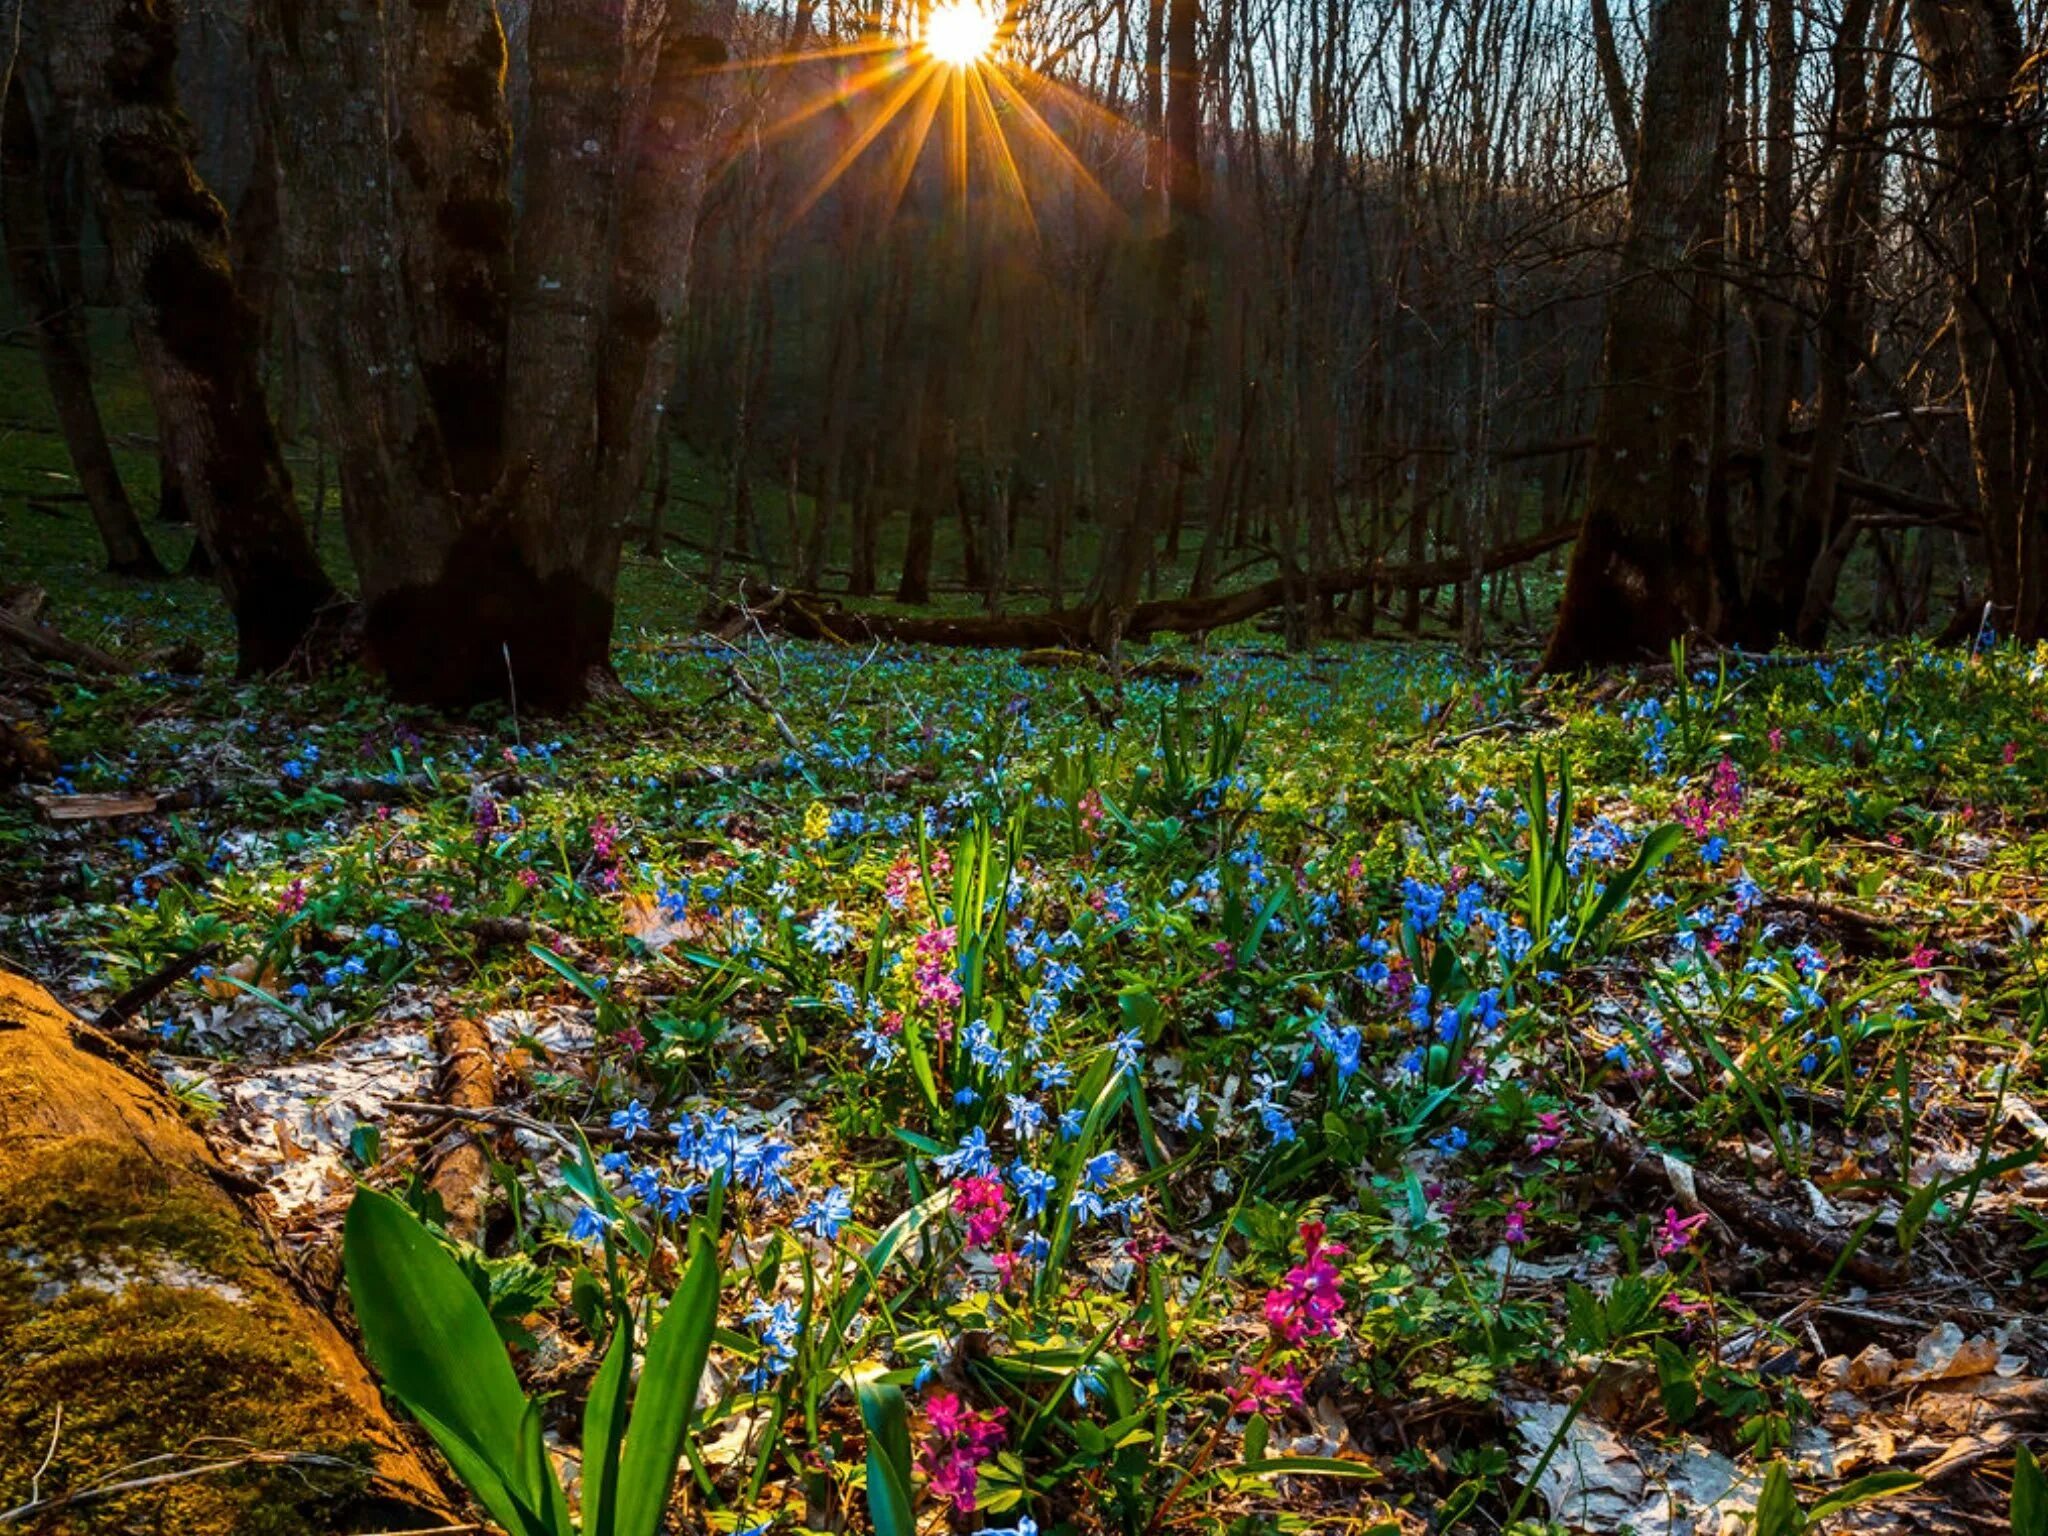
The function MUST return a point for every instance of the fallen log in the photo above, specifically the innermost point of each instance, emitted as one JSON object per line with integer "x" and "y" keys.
{"x": 458, "y": 1170}
{"x": 41, "y": 640}
{"x": 142, "y": 1315}
{"x": 810, "y": 616}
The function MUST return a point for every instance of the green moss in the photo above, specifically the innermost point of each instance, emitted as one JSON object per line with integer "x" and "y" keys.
{"x": 134, "y": 1298}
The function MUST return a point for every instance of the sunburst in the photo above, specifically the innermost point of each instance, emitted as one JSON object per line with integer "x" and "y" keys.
{"x": 959, "y": 55}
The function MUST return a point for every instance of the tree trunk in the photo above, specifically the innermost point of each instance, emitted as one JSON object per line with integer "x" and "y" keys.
{"x": 138, "y": 1301}
{"x": 1639, "y": 575}
{"x": 493, "y": 434}
{"x": 1981, "y": 77}
{"x": 57, "y": 319}
{"x": 112, "y": 63}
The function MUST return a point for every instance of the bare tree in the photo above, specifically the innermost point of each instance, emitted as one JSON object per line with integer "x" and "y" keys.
{"x": 112, "y": 66}
{"x": 1639, "y": 575}
{"x": 57, "y": 315}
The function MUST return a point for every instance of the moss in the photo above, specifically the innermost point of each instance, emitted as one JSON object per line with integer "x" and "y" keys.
{"x": 132, "y": 1296}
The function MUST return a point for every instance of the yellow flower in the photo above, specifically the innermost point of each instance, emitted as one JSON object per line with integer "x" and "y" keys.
{"x": 817, "y": 822}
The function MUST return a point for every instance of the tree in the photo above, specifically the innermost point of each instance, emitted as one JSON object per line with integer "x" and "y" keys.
{"x": 57, "y": 317}
{"x": 490, "y": 373}
{"x": 112, "y": 66}
{"x": 1639, "y": 575}
{"x": 1991, "y": 229}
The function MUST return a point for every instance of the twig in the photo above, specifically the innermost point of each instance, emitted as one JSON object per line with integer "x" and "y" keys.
{"x": 511, "y": 1119}
{"x": 35, "y": 1484}
{"x": 146, "y": 991}
{"x": 760, "y": 701}
{"x": 158, "y": 1479}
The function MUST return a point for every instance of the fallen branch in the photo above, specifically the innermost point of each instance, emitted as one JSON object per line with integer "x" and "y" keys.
{"x": 408, "y": 788}
{"x": 511, "y": 1119}
{"x": 41, "y": 640}
{"x": 146, "y": 991}
{"x": 1736, "y": 1206}
{"x": 809, "y": 616}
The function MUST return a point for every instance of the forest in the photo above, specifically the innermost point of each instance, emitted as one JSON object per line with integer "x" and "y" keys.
{"x": 1033, "y": 767}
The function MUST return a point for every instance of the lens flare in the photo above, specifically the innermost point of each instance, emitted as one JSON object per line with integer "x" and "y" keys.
{"x": 961, "y": 33}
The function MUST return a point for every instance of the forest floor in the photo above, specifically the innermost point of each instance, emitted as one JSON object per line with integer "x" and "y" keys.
{"x": 1307, "y": 1116}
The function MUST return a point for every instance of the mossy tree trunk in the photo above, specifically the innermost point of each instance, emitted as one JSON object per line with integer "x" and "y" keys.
{"x": 138, "y": 1298}
{"x": 113, "y": 65}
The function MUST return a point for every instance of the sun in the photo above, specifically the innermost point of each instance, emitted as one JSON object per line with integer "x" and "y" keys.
{"x": 961, "y": 33}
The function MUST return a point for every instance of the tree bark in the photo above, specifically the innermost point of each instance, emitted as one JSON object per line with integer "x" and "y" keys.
{"x": 493, "y": 418}
{"x": 139, "y": 1300}
{"x": 57, "y": 319}
{"x": 1639, "y": 575}
{"x": 113, "y": 65}
{"x": 1995, "y": 229}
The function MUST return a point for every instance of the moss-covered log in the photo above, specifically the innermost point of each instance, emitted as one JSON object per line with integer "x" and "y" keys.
{"x": 141, "y": 1316}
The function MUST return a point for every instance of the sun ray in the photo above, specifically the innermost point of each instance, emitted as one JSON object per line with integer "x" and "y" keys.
{"x": 867, "y": 135}
{"x": 798, "y": 56}
{"x": 916, "y": 132}
{"x": 1006, "y": 163}
{"x": 1040, "y": 129}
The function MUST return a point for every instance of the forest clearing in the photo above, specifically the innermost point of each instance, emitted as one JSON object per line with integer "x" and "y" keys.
{"x": 1238, "y": 767}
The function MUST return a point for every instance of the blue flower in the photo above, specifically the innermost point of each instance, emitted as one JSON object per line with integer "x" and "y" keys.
{"x": 828, "y": 933}
{"x": 1100, "y": 1169}
{"x": 972, "y": 1156}
{"x": 631, "y": 1121}
{"x": 827, "y": 1214}
{"x": 1035, "y": 1188}
{"x": 1421, "y": 904}
{"x": 589, "y": 1226}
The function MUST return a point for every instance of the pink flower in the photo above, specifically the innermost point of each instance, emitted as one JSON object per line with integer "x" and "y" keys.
{"x": 962, "y": 1438}
{"x": 1263, "y": 1393}
{"x": 981, "y": 1203}
{"x": 1516, "y": 1227}
{"x": 2012, "y": 752}
{"x": 1551, "y": 1133}
{"x": 1306, "y": 1305}
{"x": 1675, "y": 1233}
{"x": 900, "y": 882}
{"x": 1776, "y": 737}
{"x": 293, "y": 899}
{"x": 1716, "y": 803}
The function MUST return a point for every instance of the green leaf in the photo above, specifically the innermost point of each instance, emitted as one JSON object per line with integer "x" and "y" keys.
{"x": 1777, "y": 1508}
{"x": 1308, "y": 1466}
{"x": 2029, "y": 1495}
{"x": 438, "y": 1353}
{"x": 1676, "y": 1382}
{"x": 604, "y": 1429}
{"x": 887, "y": 1418}
{"x": 1878, "y": 1485}
{"x": 677, "y": 1349}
